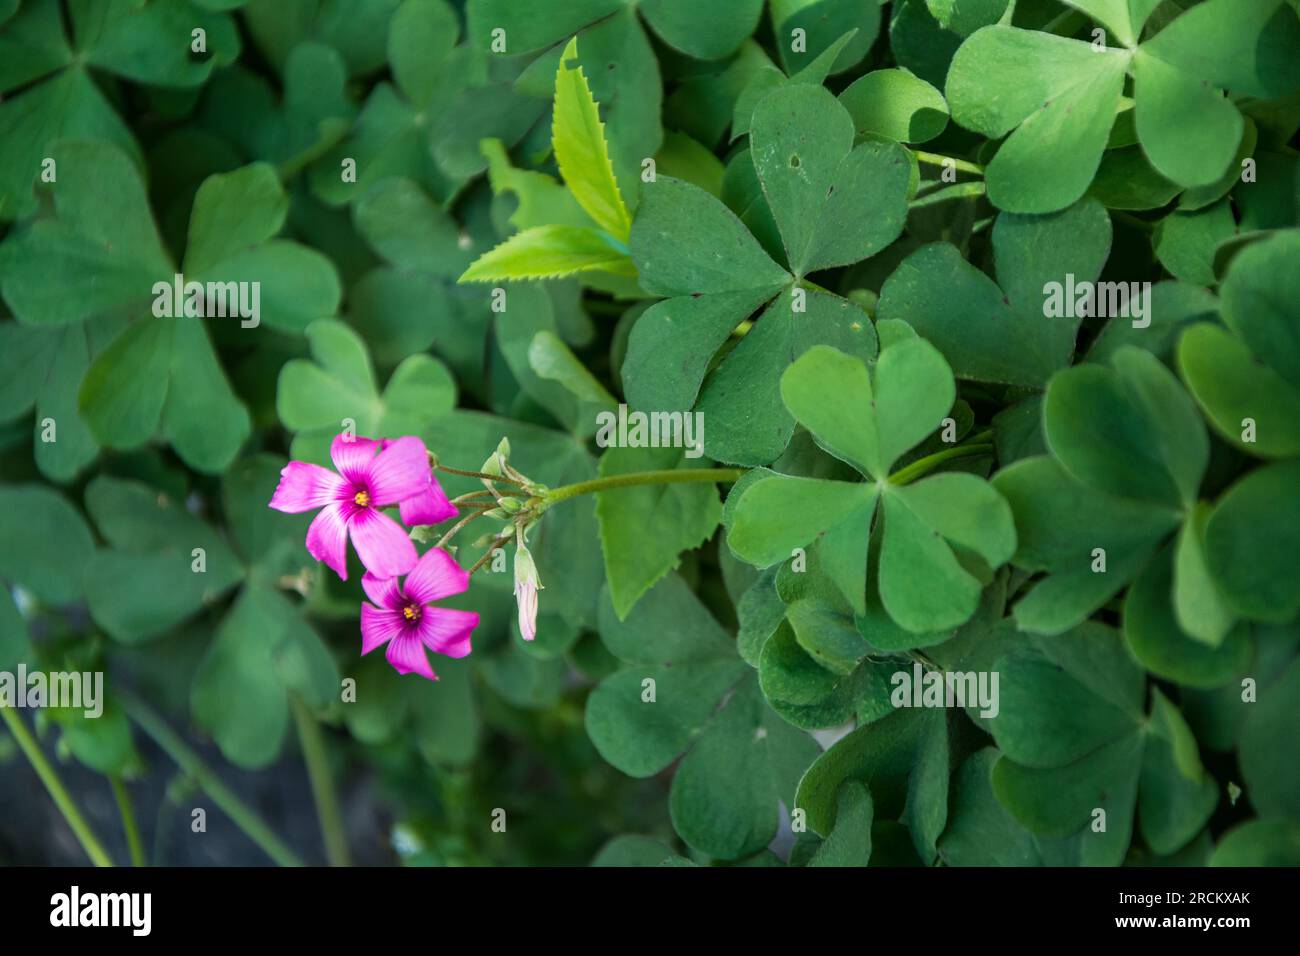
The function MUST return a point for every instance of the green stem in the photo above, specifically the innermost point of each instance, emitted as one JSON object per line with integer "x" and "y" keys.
{"x": 971, "y": 190}
{"x": 487, "y": 556}
{"x": 312, "y": 742}
{"x": 451, "y": 533}
{"x": 50, "y": 777}
{"x": 476, "y": 474}
{"x": 243, "y": 815}
{"x": 472, "y": 496}
{"x": 923, "y": 466}
{"x": 936, "y": 159}
{"x": 130, "y": 829}
{"x": 669, "y": 476}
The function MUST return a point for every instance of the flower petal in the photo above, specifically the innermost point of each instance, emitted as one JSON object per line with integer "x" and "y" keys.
{"x": 379, "y": 626}
{"x": 304, "y": 486}
{"x": 526, "y": 595}
{"x": 384, "y": 548}
{"x": 383, "y": 591}
{"x": 436, "y": 575}
{"x": 446, "y": 631}
{"x": 400, "y": 471}
{"x": 430, "y": 506}
{"x": 352, "y": 456}
{"x": 327, "y": 539}
{"x": 406, "y": 654}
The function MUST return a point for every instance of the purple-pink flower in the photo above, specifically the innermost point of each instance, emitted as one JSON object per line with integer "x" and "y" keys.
{"x": 371, "y": 475}
{"x": 431, "y": 506}
{"x": 404, "y": 618}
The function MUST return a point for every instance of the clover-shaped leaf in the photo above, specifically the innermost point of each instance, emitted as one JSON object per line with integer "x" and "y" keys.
{"x": 897, "y": 105}
{"x": 319, "y": 398}
{"x": 145, "y": 43}
{"x": 682, "y": 688}
{"x": 425, "y": 126}
{"x": 869, "y": 419}
{"x": 145, "y": 582}
{"x": 1023, "y": 331}
{"x": 41, "y": 367}
{"x": 1075, "y": 741}
{"x": 164, "y": 565}
{"x": 690, "y": 247}
{"x": 834, "y": 203}
{"x": 160, "y": 372}
{"x": 44, "y": 543}
{"x": 1058, "y": 98}
{"x": 1250, "y": 543}
{"x": 313, "y": 115}
{"x": 1247, "y": 377}
{"x": 1094, "y": 512}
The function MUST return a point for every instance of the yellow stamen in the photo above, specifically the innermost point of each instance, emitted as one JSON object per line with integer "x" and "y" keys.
{"x": 362, "y": 498}
{"x": 410, "y": 612}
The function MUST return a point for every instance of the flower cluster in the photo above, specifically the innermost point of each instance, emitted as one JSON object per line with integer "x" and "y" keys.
{"x": 403, "y": 585}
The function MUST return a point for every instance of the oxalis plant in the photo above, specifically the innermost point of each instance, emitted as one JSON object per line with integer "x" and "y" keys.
{"x": 832, "y": 433}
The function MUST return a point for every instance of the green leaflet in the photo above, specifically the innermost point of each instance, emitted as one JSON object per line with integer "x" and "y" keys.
{"x": 869, "y": 421}
{"x": 1075, "y": 747}
{"x": 1003, "y": 334}
{"x": 1057, "y": 97}
{"x": 320, "y": 398}
{"x": 897, "y": 105}
{"x": 666, "y": 700}
{"x": 160, "y": 371}
{"x": 144, "y": 43}
{"x": 689, "y": 247}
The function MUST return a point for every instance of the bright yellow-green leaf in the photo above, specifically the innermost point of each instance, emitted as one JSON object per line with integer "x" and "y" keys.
{"x": 580, "y": 148}
{"x": 549, "y": 252}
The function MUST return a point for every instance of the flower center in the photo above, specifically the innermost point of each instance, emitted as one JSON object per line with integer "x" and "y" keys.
{"x": 411, "y": 612}
{"x": 362, "y": 499}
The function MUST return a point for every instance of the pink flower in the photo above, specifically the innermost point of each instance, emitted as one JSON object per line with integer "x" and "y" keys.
{"x": 370, "y": 477}
{"x": 406, "y": 620}
{"x": 429, "y": 507}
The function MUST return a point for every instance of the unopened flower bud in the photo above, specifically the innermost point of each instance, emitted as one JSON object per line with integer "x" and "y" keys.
{"x": 526, "y": 587}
